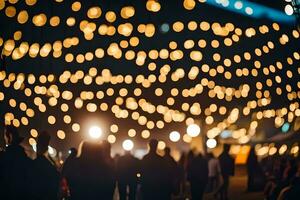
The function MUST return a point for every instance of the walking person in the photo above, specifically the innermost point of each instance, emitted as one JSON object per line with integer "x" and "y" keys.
{"x": 214, "y": 173}
{"x": 227, "y": 170}
{"x": 127, "y": 170}
{"x": 252, "y": 170}
{"x": 109, "y": 170}
{"x": 173, "y": 171}
{"x": 198, "y": 173}
{"x": 182, "y": 174}
{"x": 45, "y": 176}
{"x": 154, "y": 175}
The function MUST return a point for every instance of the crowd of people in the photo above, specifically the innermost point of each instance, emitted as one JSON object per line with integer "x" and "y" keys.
{"x": 91, "y": 173}
{"x": 282, "y": 174}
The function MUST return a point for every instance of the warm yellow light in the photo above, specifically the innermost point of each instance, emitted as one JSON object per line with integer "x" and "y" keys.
{"x": 33, "y": 133}
{"x": 61, "y": 134}
{"x": 51, "y": 119}
{"x": 153, "y": 6}
{"x": 95, "y": 132}
{"x": 111, "y": 139}
{"x": 75, "y": 127}
{"x": 161, "y": 145}
{"x": 145, "y": 134}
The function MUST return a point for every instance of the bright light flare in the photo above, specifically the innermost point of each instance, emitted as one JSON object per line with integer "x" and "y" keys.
{"x": 174, "y": 136}
{"x": 193, "y": 130}
{"x": 128, "y": 145}
{"x": 289, "y": 9}
{"x": 95, "y": 132}
{"x": 211, "y": 143}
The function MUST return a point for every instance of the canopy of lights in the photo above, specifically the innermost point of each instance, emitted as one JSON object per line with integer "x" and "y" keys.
{"x": 128, "y": 71}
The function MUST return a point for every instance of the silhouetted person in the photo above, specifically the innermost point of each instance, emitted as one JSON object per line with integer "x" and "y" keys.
{"x": 46, "y": 178}
{"x": 71, "y": 157}
{"x": 154, "y": 177}
{"x": 66, "y": 170}
{"x": 89, "y": 175}
{"x": 290, "y": 170}
{"x": 172, "y": 170}
{"x": 252, "y": 169}
{"x": 182, "y": 173}
{"x": 214, "y": 172}
{"x": 127, "y": 169}
{"x": 15, "y": 166}
{"x": 109, "y": 168}
{"x": 69, "y": 161}
{"x": 227, "y": 170}
{"x": 293, "y": 192}
{"x": 198, "y": 172}
{"x": 188, "y": 163}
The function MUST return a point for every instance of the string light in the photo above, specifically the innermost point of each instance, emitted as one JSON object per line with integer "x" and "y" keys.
{"x": 193, "y": 130}
{"x": 125, "y": 101}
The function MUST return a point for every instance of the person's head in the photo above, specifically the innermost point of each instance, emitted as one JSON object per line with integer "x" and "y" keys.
{"x": 210, "y": 155}
{"x": 200, "y": 155}
{"x": 43, "y": 141}
{"x": 167, "y": 151}
{"x": 11, "y": 135}
{"x": 153, "y": 145}
{"x": 191, "y": 154}
{"x": 86, "y": 150}
{"x": 226, "y": 148}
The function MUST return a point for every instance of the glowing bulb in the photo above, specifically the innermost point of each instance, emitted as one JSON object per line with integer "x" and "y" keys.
{"x": 288, "y": 9}
{"x": 127, "y": 145}
{"x": 95, "y": 132}
{"x": 225, "y": 134}
{"x": 211, "y": 143}
{"x": 193, "y": 130}
{"x": 174, "y": 136}
{"x": 52, "y": 151}
{"x": 285, "y": 128}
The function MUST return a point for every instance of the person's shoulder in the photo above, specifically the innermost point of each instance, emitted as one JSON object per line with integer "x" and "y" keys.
{"x": 147, "y": 156}
{"x": 38, "y": 161}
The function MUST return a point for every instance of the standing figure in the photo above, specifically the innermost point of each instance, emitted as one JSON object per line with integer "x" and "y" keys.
{"x": 173, "y": 170}
{"x": 15, "y": 167}
{"x": 154, "y": 175}
{"x": 214, "y": 172}
{"x": 227, "y": 170}
{"x": 69, "y": 161}
{"x": 46, "y": 178}
{"x": 252, "y": 169}
{"x": 198, "y": 176}
{"x": 90, "y": 175}
{"x": 66, "y": 171}
{"x": 127, "y": 170}
{"x": 109, "y": 170}
{"x": 182, "y": 174}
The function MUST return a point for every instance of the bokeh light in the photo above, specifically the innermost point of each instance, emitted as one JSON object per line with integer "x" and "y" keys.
{"x": 127, "y": 145}
{"x": 95, "y": 132}
{"x": 193, "y": 130}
